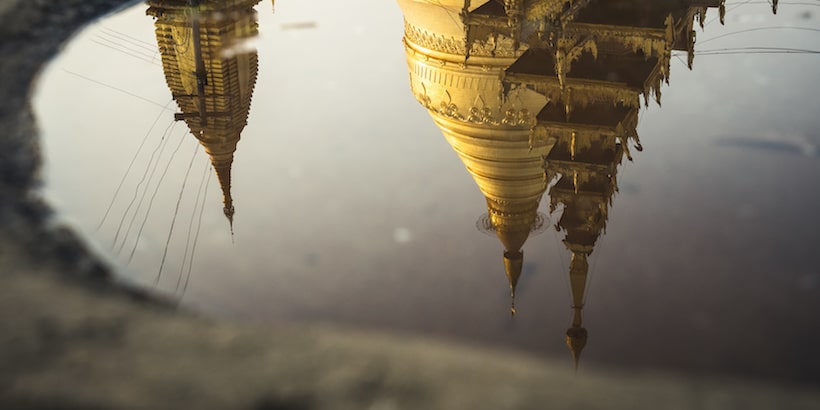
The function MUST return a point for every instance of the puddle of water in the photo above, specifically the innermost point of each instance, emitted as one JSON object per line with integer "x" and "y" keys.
{"x": 306, "y": 178}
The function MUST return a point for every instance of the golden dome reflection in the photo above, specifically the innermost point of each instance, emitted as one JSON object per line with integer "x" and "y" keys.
{"x": 534, "y": 94}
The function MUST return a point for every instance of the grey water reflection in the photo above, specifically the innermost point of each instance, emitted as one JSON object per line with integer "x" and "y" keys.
{"x": 349, "y": 207}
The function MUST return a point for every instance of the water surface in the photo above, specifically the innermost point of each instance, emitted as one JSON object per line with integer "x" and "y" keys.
{"x": 341, "y": 174}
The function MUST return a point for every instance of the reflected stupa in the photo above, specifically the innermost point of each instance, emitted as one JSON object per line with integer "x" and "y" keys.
{"x": 534, "y": 92}
{"x": 457, "y": 55}
{"x": 210, "y": 72}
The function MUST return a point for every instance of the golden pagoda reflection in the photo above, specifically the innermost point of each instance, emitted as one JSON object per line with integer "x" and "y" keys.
{"x": 605, "y": 56}
{"x": 585, "y": 165}
{"x": 457, "y": 55}
{"x": 531, "y": 92}
{"x": 210, "y": 73}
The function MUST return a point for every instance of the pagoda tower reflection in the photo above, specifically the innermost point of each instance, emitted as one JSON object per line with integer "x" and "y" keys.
{"x": 605, "y": 57}
{"x": 585, "y": 165}
{"x": 458, "y": 75}
{"x": 538, "y": 93}
{"x": 210, "y": 72}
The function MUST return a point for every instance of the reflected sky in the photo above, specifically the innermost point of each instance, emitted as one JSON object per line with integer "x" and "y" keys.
{"x": 354, "y": 167}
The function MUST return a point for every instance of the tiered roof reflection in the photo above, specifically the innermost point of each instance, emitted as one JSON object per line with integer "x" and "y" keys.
{"x": 533, "y": 92}
{"x": 210, "y": 73}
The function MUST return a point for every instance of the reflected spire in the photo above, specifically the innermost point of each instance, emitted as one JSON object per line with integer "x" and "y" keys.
{"x": 513, "y": 262}
{"x": 222, "y": 163}
{"x": 577, "y": 335}
{"x": 605, "y": 58}
{"x": 585, "y": 166}
{"x": 210, "y": 73}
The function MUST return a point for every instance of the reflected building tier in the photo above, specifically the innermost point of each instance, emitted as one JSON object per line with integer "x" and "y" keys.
{"x": 210, "y": 72}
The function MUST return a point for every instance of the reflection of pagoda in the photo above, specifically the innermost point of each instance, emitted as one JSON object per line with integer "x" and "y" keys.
{"x": 482, "y": 68}
{"x": 603, "y": 57}
{"x": 488, "y": 124}
{"x": 209, "y": 73}
{"x": 586, "y": 165}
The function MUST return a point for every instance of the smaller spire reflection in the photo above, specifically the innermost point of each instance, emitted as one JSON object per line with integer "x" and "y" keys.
{"x": 210, "y": 74}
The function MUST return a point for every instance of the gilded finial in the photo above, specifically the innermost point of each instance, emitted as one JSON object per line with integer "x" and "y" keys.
{"x": 512, "y": 302}
{"x": 222, "y": 166}
{"x": 513, "y": 262}
{"x": 576, "y": 339}
{"x": 229, "y": 211}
